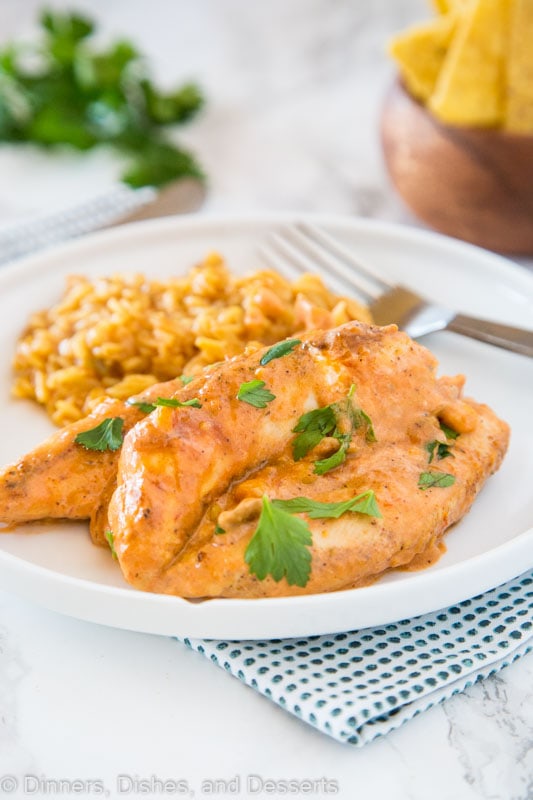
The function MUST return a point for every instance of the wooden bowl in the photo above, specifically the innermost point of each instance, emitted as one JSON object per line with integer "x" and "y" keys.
{"x": 472, "y": 183}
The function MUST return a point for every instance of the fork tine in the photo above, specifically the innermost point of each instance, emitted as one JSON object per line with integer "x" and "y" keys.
{"x": 282, "y": 250}
{"x": 297, "y": 258}
{"x": 346, "y": 279}
{"x": 319, "y": 238}
{"x": 277, "y": 252}
{"x": 290, "y": 251}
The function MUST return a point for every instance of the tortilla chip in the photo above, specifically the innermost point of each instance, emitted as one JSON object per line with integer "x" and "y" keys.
{"x": 420, "y": 53}
{"x": 519, "y": 89}
{"x": 470, "y": 87}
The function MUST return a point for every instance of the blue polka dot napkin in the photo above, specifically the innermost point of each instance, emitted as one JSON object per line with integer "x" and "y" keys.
{"x": 360, "y": 685}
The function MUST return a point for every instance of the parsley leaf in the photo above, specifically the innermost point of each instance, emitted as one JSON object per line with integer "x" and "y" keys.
{"x": 315, "y": 425}
{"x": 169, "y": 402}
{"x": 427, "y": 480}
{"x": 146, "y": 408}
{"x": 73, "y": 27}
{"x": 448, "y": 432}
{"x": 305, "y": 442}
{"x": 105, "y": 436}
{"x": 252, "y": 392}
{"x": 219, "y": 530}
{"x": 279, "y": 350}
{"x": 361, "y": 418}
{"x": 178, "y": 106}
{"x": 156, "y": 163}
{"x": 364, "y": 503}
{"x": 110, "y": 539}
{"x": 336, "y": 459}
{"x": 280, "y": 546}
{"x": 185, "y": 379}
{"x": 440, "y": 449}
{"x": 312, "y": 427}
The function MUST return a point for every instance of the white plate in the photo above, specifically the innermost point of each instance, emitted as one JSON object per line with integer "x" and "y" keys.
{"x": 56, "y": 565}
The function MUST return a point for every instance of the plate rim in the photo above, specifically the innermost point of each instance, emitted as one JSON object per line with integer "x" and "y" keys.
{"x": 94, "y": 242}
{"x": 496, "y": 262}
{"x": 443, "y": 592}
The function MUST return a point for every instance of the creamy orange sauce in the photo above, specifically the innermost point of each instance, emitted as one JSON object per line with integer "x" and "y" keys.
{"x": 181, "y": 470}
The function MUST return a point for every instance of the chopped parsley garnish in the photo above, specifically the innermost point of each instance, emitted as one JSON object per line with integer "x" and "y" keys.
{"x": 312, "y": 427}
{"x": 146, "y": 408}
{"x": 254, "y": 393}
{"x": 439, "y": 450}
{"x": 219, "y": 530}
{"x": 363, "y": 419}
{"x": 169, "y": 402}
{"x": 447, "y": 431}
{"x": 105, "y": 436}
{"x": 336, "y": 459}
{"x": 320, "y": 423}
{"x": 279, "y": 350}
{"x": 280, "y": 544}
{"x": 185, "y": 379}
{"x": 110, "y": 539}
{"x": 427, "y": 480}
{"x": 364, "y": 503}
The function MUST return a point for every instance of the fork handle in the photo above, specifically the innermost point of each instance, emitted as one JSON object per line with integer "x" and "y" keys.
{"x": 516, "y": 339}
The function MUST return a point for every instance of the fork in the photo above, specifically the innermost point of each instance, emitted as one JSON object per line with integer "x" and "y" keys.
{"x": 300, "y": 245}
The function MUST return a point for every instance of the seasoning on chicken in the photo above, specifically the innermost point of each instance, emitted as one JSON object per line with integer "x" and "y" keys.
{"x": 311, "y": 466}
{"x": 192, "y": 512}
{"x": 61, "y": 479}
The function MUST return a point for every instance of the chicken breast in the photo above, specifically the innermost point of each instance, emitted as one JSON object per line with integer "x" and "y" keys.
{"x": 192, "y": 481}
{"x": 61, "y": 479}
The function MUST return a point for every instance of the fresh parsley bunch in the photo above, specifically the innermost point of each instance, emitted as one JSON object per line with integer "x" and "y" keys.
{"x": 63, "y": 91}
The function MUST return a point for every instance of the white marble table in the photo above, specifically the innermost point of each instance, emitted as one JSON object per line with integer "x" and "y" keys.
{"x": 294, "y": 90}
